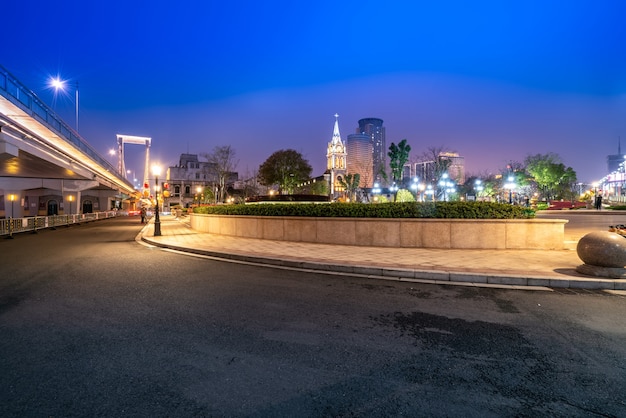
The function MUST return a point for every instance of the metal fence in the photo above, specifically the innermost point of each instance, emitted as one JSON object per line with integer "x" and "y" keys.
{"x": 12, "y": 226}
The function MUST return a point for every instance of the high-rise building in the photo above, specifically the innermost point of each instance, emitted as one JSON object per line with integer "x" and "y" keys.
{"x": 614, "y": 161}
{"x": 373, "y": 127}
{"x": 456, "y": 166}
{"x": 336, "y": 160}
{"x": 360, "y": 158}
{"x": 449, "y": 162}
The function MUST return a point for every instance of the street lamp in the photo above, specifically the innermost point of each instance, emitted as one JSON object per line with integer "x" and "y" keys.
{"x": 12, "y": 198}
{"x": 393, "y": 188}
{"x": 478, "y": 185}
{"x": 510, "y": 185}
{"x": 376, "y": 191}
{"x": 70, "y": 198}
{"x": 59, "y": 84}
{"x": 156, "y": 170}
{"x": 415, "y": 186}
{"x": 431, "y": 192}
{"x": 446, "y": 185}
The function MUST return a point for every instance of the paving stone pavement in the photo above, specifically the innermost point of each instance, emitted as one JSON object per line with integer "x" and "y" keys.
{"x": 524, "y": 269}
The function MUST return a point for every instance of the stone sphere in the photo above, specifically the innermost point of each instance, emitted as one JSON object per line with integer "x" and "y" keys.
{"x": 604, "y": 249}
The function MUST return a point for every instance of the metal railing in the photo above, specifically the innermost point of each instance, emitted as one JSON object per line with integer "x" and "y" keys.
{"x": 18, "y": 94}
{"x": 10, "y": 226}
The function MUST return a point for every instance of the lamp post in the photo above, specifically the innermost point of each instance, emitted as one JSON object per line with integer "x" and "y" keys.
{"x": 478, "y": 185}
{"x": 59, "y": 84}
{"x": 431, "y": 192}
{"x": 510, "y": 185}
{"x": 394, "y": 189}
{"x": 446, "y": 185}
{"x": 70, "y": 198}
{"x": 414, "y": 186}
{"x": 12, "y": 198}
{"x": 156, "y": 170}
{"x": 376, "y": 191}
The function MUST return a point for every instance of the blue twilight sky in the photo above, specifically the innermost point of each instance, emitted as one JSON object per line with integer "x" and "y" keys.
{"x": 492, "y": 80}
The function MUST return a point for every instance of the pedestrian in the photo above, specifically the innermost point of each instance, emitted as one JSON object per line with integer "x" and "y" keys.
{"x": 599, "y": 202}
{"x": 143, "y": 215}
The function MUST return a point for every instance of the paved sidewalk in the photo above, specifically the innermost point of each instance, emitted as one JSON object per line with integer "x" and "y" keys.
{"x": 523, "y": 269}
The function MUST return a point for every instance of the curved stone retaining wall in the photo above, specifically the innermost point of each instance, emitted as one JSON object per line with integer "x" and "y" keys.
{"x": 542, "y": 234}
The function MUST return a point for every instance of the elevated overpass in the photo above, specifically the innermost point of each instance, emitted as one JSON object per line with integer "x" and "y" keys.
{"x": 46, "y": 167}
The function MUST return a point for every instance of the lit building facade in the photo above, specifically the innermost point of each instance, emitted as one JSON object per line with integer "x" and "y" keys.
{"x": 427, "y": 170}
{"x": 360, "y": 158}
{"x": 336, "y": 160}
{"x": 373, "y": 128}
{"x": 616, "y": 160}
{"x": 191, "y": 178}
{"x": 456, "y": 167}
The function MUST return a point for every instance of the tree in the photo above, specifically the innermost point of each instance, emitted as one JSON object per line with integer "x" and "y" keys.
{"x": 250, "y": 184}
{"x": 364, "y": 168}
{"x": 221, "y": 164}
{"x": 398, "y": 156}
{"x": 350, "y": 183}
{"x": 286, "y": 168}
{"x": 550, "y": 174}
{"x": 440, "y": 165}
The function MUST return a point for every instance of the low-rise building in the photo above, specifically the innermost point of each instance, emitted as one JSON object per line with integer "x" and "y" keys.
{"x": 195, "y": 182}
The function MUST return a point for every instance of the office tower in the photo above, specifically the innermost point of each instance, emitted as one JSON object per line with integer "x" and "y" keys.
{"x": 360, "y": 158}
{"x": 614, "y": 161}
{"x": 456, "y": 166}
{"x": 373, "y": 127}
{"x": 449, "y": 162}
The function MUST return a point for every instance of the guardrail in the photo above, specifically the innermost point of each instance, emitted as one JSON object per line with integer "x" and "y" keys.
{"x": 12, "y": 226}
{"x": 20, "y": 95}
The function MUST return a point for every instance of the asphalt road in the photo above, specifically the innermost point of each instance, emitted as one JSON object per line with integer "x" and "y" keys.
{"x": 93, "y": 323}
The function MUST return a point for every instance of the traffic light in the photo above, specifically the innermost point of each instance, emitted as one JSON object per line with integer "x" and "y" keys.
{"x": 166, "y": 190}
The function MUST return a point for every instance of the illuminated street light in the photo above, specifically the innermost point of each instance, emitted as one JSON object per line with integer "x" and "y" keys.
{"x": 446, "y": 185}
{"x": 510, "y": 185}
{"x": 430, "y": 191}
{"x": 12, "y": 198}
{"x": 478, "y": 185}
{"x": 59, "y": 84}
{"x": 70, "y": 198}
{"x": 156, "y": 170}
{"x": 393, "y": 188}
{"x": 415, "y": 187}
{"x": 198, "y": 191}
{"x": 422, "y": 187}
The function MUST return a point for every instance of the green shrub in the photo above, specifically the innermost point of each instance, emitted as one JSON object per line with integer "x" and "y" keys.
{"x": 449, "y": 210}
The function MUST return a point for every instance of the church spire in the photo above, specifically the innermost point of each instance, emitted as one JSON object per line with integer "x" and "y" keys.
{"x": 336, "y": 160}
{"x": 336, "y": 136}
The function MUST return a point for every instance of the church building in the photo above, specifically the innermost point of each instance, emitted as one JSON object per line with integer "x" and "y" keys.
{"x": 336, "y": 161}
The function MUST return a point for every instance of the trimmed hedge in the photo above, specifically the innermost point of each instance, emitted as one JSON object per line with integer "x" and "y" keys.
{"x": 449, "y": 210}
